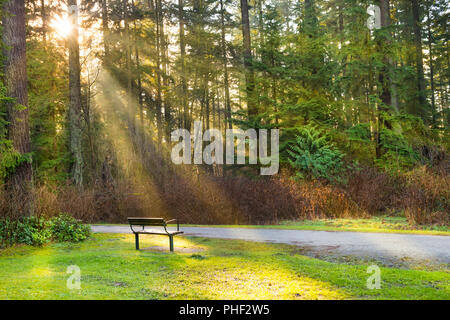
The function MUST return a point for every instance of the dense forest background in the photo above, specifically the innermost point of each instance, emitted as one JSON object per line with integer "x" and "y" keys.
{"x": 88, "y": 102}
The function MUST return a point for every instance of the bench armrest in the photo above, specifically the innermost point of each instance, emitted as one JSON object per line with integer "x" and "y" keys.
{"x": 178, "y": 224}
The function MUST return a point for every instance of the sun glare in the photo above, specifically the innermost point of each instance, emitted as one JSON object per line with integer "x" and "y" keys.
{"x": 62, "y": 26}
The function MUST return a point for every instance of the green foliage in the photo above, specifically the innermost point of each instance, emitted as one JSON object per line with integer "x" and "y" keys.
{"x": 316, "y": 156}
{"x": 65, "y": 228}
{"x": 359, "y": 132}
{"x": 358, "y": 145}
{"x": 48, "y": 106}
{"x": 29, "y": 230}
{"x": 8, "y": 157}
{"x": 398, "y": 155}
{"x": 37, "y": 231}
{"x": 408, "y": 143}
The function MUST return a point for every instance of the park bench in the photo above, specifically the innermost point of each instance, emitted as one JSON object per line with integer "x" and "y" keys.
{"x": 153, "y": 222}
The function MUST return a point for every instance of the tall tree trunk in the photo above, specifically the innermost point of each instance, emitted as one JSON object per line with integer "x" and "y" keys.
{"x": 165, "y": 69}
{"x": 139, "y": 89}
{"x": 430, "y": 49}
{"x": 393, "y": 66}
{"x": 260, "y": 23}
{"x": 249, "y": 75}
{"x": 419, "y": 58}
{"x": 88, "y": 120}
{"x": 225, "y": 66}
{"x": 44, "y": 21}
{"x": 75, "y": 97}
{"x": 207, "y": 104}
{"x": 274, "y": 91}
{"x": 184, "y": 93}
{"x": 159, "y": 124}
{"x": 19, "y": 183}
{"x": 130, "y": 105}
{"x": 140, "y": 92}
{"x": 384, "y": 75}
{"x": 105, "y": 28}
{"x": 385, "y": 97}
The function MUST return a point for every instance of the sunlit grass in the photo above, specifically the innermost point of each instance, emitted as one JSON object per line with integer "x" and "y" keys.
{"x": 199, "y": 269}
{"x": 374, "y": 224}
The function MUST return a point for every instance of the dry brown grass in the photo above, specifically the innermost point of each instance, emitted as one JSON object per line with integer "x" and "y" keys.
{"x": 423, "y": 195}
{"x": 427, "y": 197}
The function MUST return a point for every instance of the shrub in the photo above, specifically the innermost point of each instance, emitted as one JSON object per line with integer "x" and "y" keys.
{"x": 374, "y": 190}
{"x": 427, "y": 197}
{"x": 398, "y": 155}
{"x": 316, "y": 156}
{"x": 29, "y": 230}
{"x": 37, "y": 231}
{"x": 65, "y": 228}
{"x": 358, "y": 145}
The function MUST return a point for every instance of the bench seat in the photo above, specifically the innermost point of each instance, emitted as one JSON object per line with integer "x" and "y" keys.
{"x": 153, "y": 222}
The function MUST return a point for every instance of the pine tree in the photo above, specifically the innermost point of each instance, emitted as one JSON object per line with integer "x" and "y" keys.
{"x": 19, "y": 182}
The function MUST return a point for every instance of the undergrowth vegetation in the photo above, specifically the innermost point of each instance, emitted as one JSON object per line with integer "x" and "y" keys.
{"x": 422, "y": 195}
{"x": 37, "y": 231}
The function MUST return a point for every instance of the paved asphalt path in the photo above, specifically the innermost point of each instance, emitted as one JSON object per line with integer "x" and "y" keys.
{"x": 385, "y": 246}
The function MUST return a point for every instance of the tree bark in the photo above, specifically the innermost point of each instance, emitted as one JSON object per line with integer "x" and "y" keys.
{"x": 419, "y": 57}
{"x": 105, "y": 28}
{"x": 44, "y": 21}
{"x": 225, "y": 66}
{"x": 184, "y": 97}
{"x": 384, "y": 76}
{"x": 75, "y": 97}
{"x": 19, "y": 183}
{"x": 430, "y": 49}
{"x": 249, "y": 75}
{"x": 385, "y": 97}
{"x": 159, "y": 124}
{"x": 165, "y": 82}
{"x": 130, "y": 105}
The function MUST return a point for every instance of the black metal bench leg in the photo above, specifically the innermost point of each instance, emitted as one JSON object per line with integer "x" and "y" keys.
{"x": 136, "y": 235}
{"x": 171, "y": 243}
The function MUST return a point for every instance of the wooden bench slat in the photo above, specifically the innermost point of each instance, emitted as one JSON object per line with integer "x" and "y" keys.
{"x": 147, "y": 221}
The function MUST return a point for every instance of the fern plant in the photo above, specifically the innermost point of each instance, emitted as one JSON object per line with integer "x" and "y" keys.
{"x": 314, "y": 156}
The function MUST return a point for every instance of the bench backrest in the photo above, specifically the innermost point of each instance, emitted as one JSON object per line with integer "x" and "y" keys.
{"x": 156, "y": 222}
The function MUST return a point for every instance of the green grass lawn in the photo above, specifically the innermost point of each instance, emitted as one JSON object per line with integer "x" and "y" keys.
{"x": 374, "y": 224}
{"x": 201, "y": 269}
